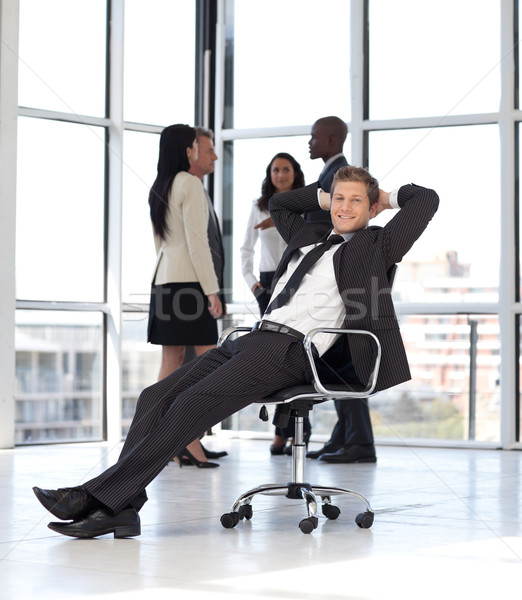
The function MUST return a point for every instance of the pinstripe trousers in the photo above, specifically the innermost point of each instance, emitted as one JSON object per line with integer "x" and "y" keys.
{"x": 180, "y": 408}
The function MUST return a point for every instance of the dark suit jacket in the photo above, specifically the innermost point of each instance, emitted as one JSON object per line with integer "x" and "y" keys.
{"x": 215, "y": 241}
{"x": 361, "y": 267}
{"x": 325, "y": 183}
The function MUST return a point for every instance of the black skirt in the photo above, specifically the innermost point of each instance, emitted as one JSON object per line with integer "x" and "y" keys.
{"x": 179, "y": 316}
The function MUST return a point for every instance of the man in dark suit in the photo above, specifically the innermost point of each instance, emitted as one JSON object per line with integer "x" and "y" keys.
{"x": 351, "y": 439}
{"x": 203, "y": 166}
{"x": 326, "y": 142}
{"x": 344, "y": 285}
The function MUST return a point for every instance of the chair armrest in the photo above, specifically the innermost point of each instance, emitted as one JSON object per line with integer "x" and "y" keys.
{"x": 341, "y": 394}
{"x": 308, "y": 347}
{"x": 226, "y": 333}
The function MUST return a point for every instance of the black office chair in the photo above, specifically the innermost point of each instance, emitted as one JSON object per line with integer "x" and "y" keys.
{"x": 298, "y": 401}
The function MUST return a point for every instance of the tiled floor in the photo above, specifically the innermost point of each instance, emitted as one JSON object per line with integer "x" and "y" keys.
{"x": 448, "y": 524}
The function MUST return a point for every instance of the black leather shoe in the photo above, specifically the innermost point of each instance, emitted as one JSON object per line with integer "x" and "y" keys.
{"x": 67, "y": 503}
{"x": 326, "y": 448}
{"x": 352, "y": 454}
{"x": 276, "y": 449}
{"x": 101, "y": 522}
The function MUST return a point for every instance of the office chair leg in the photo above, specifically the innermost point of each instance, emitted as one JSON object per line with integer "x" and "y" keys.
{"x": 310, "y": 523}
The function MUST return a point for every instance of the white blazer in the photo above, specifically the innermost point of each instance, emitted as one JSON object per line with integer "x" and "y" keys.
{"x": 184, "y": 255}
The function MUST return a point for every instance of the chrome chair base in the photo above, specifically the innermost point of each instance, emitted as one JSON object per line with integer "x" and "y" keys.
{"x": 296, "y": 490}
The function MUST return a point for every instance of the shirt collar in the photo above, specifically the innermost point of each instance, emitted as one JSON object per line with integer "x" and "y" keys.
{"x": 331, "y": 160}
{"x": 346, "y": 236}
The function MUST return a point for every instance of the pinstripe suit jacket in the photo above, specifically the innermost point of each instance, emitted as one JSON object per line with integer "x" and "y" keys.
{"x": 361, "y": 267}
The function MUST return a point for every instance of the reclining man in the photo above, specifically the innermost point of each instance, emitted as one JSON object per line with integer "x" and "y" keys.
{"x": 341, "y": 282}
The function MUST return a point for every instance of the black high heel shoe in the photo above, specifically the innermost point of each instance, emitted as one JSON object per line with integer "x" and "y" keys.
{"x": 212, "y": 454}
{"x": 185, "y": 456}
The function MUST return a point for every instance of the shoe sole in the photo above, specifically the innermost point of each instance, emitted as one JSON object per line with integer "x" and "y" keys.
{"x": 119, "y": 532}
{"x": 369, "y": 459}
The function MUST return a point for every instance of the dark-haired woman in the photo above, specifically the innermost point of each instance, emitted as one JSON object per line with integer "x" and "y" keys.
{"x": 184, "y": 302}
{"x": 283, "y": 174}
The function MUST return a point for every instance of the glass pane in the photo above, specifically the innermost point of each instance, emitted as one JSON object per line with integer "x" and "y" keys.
{"x": 518, "y": 46}
{"x": 448, "y": 55}
{"x": 248, "y": 160}
{"x": 140, "y": 156}
{"x": 62, "y": 55}
{"x": 292, "y": 67}
{"x": 59, "y": 358}
{"x": 140, "y": 363}
{"x": 159, "y": 59}
{"x": 444, "y": 391}
{"x": 519, "y": 375}
{"x": 60, "y": 211}
{"x": 451, "y": 262}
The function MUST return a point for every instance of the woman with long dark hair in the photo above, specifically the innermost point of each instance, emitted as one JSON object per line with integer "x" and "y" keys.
{"x": 184, "y": 303}
{"x": 283, "y": 173}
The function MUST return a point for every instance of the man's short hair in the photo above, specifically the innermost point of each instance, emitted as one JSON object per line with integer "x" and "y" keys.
{"x": 204, "y": 132}
{"x": 350, "y": 173}
{"x": 335, "y": 127}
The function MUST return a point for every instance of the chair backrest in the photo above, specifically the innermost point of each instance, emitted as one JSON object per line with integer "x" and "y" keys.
{"x": 335, "y": 365}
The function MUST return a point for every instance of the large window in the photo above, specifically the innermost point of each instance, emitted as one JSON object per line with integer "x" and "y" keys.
{"x": 433, "y": 58}
{"x": 139, "y": 171}
{"x": 159, "y": 61}
{"x": 62, "y": 55}
{"x": 87, "y": 153}
{"x": 59, "y": 376}
{"x": 427, "y": 90}
{"x": 60, "y": 211}
{"x": 288, "y": 60}
{"x": 446, "y": 266}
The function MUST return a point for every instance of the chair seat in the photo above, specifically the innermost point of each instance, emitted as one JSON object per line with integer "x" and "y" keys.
{"x": 289, "y": 393}
{"x": 301, "y": 392}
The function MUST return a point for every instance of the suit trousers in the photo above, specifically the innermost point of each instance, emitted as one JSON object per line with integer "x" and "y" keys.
{"x": 354, "y": 426}
{"x": 180, "y": 408}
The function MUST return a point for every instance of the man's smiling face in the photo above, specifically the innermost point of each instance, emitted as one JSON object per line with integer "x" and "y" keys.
{"x": 350, "y": 208}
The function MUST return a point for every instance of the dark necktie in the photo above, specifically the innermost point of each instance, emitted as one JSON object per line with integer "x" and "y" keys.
{"x": 302, "y": 269}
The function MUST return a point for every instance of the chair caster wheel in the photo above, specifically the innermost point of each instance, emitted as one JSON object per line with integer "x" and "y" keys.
{"x": 330, "y": 511}
{"x": 309, "y": 524}
{"x": 364, "y": 520}
{"x": 229, "y": 520}
{"x": 245, "y": 512}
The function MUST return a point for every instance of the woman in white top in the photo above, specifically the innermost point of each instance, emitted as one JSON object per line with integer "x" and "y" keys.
{"x": 283, "y": 174}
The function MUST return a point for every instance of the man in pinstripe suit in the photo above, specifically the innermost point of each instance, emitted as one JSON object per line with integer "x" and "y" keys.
{"x": 347, "y": 287}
